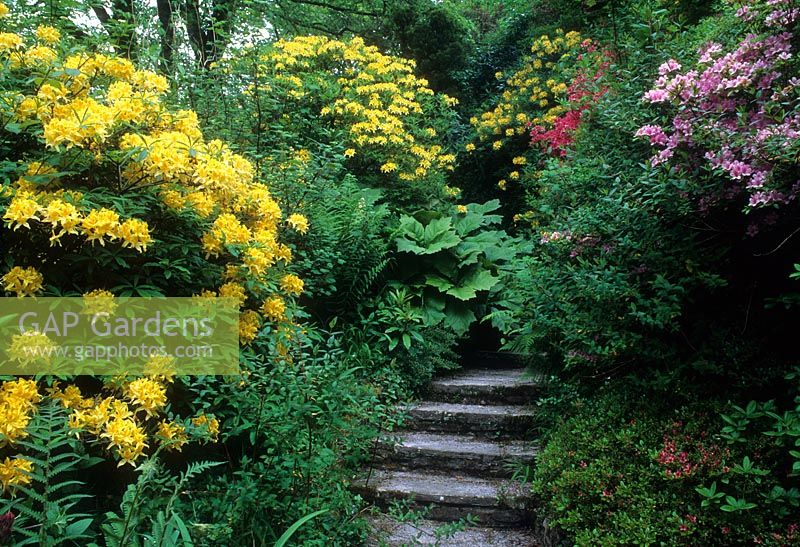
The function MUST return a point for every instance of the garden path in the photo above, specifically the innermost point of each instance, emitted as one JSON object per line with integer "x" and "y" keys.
{"x": 456, "y": 457}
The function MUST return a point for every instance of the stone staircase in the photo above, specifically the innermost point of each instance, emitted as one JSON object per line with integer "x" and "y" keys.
{"x": 456, "y": 458}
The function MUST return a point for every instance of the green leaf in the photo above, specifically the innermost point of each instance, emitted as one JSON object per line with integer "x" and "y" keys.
{"x": 438, "y": 282}
{"x": 458, "y": 316}
{"x": 78, "y": 527}
{"x": 287, "y": 535}
{"x": 481, "y": 280}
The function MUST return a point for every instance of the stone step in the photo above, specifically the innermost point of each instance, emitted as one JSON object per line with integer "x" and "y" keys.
{"x": 448, "y": 497}
{"x": 487, "y": 386}
{"x": 494, "y": 359}
{"x": 447, "y": 452}
{"x": 493, "y": 421}
{"x": 424, "y": 532}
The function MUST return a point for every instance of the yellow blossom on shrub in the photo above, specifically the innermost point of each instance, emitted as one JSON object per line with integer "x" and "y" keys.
{"x": 529, "y": 89}
{"x": 274, "y": 309}
{"x": 30, "y": 347}
{"x": 291, "y": 284}
{"x": 99, "y": 301}
{"x": 452, "y": 191}
{"x": 172, "y": 435}
{"x": 15, "y": 472}
{"x": 258, "y": 260}
{"x": 147, "y": 394}
{"x": 127, "y": 438}
{"x": 100, "y": 223}
{"x": 101, "y": 141}
{"x": 69, "y": 397}
{"x": 233, "y": 290}
{"x": 3, "y": 10}
{"x": 211, "y": 425}
{"x": 21, "y": 211}
{"x": 298, "y": 222}
{"x": 47, "y": 34}
{"x": 376, "y": 98}
{"x": 10, "y": 41}
{"x": 23, "y": 281}
{"x": 18, "y": 399}
{"x": 134, "y": 233}
{"x": 64, "y": 218}
{"x": 249, "y": 323}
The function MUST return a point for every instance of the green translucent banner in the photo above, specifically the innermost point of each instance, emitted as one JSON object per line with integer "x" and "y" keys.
{"x": 104, "y": 335}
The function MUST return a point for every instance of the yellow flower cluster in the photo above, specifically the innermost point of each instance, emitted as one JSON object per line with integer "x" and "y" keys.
{"x": 172, "y": 435}
{"x": 47, "y": 34}
{"x": 23, "y": 281}
{"x": 147, "y": 394}
{"x": 211, "y": 425}
{"x": 18, "y": 400}
{"x": 274, "y": 308}
{"x": 291, "y": 284}
{"x": 249, "y": 323}
{"x": 532, "y": 92}
{"x": 122, "y": 423}
{"x": 30, "y": 347}
{"x": 14, "y": 472}
{"x": 376, "y": 97}
{"x": 62, "y": 217}
{"x": 298, "y": 222}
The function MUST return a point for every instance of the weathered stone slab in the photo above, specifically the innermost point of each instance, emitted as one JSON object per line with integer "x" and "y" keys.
{"x": 422, "y": 450}
{"x": 496, "y": 503}
{"x": 483, "y": 420}
{"x": 395, "y": 534}
{"x": 487, "y": 386}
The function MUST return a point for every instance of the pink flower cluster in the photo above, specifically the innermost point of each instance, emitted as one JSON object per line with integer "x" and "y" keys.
{"x": 737, "y": 111}
{"x": 683, "y": 455}
{"x": 549, "y": 237}
{"x": 773, "y": 13}
{"x": 790, "y": 537}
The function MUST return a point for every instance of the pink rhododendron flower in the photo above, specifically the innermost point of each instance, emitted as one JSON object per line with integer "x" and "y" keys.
{"x": 737, "y": 111}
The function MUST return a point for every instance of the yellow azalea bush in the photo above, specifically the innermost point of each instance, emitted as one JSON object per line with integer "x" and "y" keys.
{"x": 127, "y": 419}
{"x": 109, "y": 191}
{"x": 387, "y": 119}
{"x": 98, "y": 165}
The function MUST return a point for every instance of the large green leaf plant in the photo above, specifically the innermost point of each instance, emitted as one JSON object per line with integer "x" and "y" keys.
{"x": 451, "y": 264}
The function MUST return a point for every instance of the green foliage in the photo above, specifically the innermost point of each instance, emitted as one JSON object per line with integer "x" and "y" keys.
{"x": 51, "y": 511}
{"x": 437, "y": 36}
{"x": 632, "y": 467}
{"x": 151, "y": 501}
{"x": 447, "y": 261}
{"x": 346, "y": 252}
{"x": 295, "y": 429}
